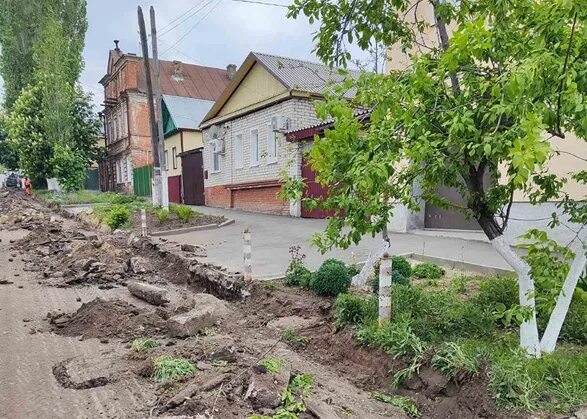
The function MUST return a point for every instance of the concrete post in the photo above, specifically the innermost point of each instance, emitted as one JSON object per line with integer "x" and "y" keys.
{"x": 247, "y": 255}
{"x": 144, "y": 222}
{"x": 385, "y": 270}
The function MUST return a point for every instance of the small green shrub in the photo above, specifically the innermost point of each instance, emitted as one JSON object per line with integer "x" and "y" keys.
{"x": 289, "y": 335}
{"x": 162, "y": 215}
{"x": 575, "y": 325}
{"x": 170, "y": 368}
{"x": 183, "y": 212}
{"x": 297, "y": 275}
{"x": 272, "y": 365}
{"x": 458, "y": 284}
{"x": 118, "y": 216}
{"x": 353, "y": 309}
{"x": 498, "y": 290}
{"x": 331, "y": 279}
{"x": 144, "y": 344}
{"x": 397, "y": 277}
{"x": 400, "y": 264}
{"x": 404, "y": 403}
{"x": 428, "y": 271}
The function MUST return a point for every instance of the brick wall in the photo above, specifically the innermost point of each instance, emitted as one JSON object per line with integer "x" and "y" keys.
{"x": 259, "y": 199}
{"x": 217, "y": 196}
{"x": 301, "y": 113}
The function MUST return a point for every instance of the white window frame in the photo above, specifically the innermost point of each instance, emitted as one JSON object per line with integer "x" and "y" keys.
{"x": 254, "y": 151}
{"x": 239, "y": 155}
{"x": 215, "y": 161}
{"x": 167, "y": 159}
{"x": 271, "y": 145}
{"x": 174, "y": 158}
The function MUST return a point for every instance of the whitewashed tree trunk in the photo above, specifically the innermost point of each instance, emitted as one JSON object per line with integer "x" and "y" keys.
{"x": 385, "y": 271}
{"x": 529, "y": 329}
{"x": 360, "y": 279}
{"x": 563, "y": 302}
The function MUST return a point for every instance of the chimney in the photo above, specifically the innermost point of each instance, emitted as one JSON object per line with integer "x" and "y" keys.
{"x": 231, "y": 71}
{"x": 177, "y": 71}
{"x": 116, "y": 41}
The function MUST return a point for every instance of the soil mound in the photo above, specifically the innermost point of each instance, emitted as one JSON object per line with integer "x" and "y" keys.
{"x": 110, "y": 319}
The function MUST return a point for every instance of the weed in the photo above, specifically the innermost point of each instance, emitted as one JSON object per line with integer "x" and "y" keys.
{"x": 170, "y": 368}
{"x": 353, "y": 309}
{"x": 432, "y": 283}
{"x": 428, "y": 271}
{"x": 403, "y": 403}
{"x": 144, "y": 344}
{"x": 208, "y": 331}
{"x": 183, "y": 212}
{"x": 162, "y": 215}
{"x": 272, "y": 365}
{"x": 297, "y": 273}
{"x": 457, "y": 361}
{"x": 270, "y": 285}
{"x": 458, "y": 284}
{"x": 290, "y": 335}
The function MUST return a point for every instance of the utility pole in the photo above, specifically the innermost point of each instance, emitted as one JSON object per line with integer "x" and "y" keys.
{"x": 159, "y": 110}
{"x": 157, "y": 193}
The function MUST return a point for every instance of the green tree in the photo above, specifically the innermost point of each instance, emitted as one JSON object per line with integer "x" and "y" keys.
{"x": 478, "y": 101}
{"x": 21, "y": 28}
{"x": 8, "y": 157}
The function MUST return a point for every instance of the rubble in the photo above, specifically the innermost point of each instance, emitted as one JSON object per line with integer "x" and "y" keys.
{"x": 206, "y": 313}
{"x": 265, "y": 388}
{"x": 150, "y": 293}
{"x": 138, "y": 265}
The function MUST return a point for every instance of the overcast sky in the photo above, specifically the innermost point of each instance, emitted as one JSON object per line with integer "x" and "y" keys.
{"x": 212, "y": 33}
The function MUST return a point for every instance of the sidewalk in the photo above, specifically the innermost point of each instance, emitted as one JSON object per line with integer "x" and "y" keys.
{"x": 272, "y": 236}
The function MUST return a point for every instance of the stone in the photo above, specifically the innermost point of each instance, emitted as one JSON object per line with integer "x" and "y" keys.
{"x": 265, "y": 388}
{"x": 138, "y": 265}
{"x": 97, "y": 267}
{"x": 84, "y": 264}
{"x": 206, "y": 313}
{"x": 320, "y": 409}
{"x": 197, "y": 387}
{"x": 198, "y": 251}
{"x": 581, "y": 413}
{"x": 149, "y": 293}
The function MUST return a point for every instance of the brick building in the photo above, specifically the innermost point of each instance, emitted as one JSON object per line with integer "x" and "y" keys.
{"x": 244, "y": 133}
{"x": 126, "y": 113}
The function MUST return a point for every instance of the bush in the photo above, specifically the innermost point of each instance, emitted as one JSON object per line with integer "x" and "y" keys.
{"x": 428, "y": 270}
{"x": 396, "y": 278}
{"x": 120, "y": 199}
{"x": 401, "y": 265}
{"x": 170, "y": 368}
{"x": 298, "y": 275}
{"x": 575, "y": 325}
{"x": 162, "y": 215}
{"x": 353, "y": 269}
{"x": 353, "y": 309}
{"x": 118, "y": 217}
{"x": 183, "y": 212}
{"x": 331, "y": 279}
{"x": 496, "y": 291}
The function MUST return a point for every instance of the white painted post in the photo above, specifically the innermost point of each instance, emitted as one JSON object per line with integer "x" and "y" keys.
{"x": 247, "y": 255}
{"x": 144, "y": 222}
{"x": 385, "y": 270}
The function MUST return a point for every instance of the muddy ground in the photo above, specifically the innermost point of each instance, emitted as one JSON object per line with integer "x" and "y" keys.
{"x": 67, "y": 322}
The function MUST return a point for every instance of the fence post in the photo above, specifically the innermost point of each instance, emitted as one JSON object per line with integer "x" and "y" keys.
{"x": 247, "y": 255}
{"x": 385, "y": 270}
{"x": 144, "y": 222}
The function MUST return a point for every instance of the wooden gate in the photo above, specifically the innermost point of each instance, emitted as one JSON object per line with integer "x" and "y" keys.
{"x": 192, "y": 165}
{"x": 313, "y": 190}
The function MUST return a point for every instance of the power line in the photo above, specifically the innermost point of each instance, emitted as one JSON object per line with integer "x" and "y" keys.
{"x": 179, "y": 51}
{"x": 264, "y": 3}
{"x": 185, "y": 19}
{"x": 170, "y": 23}
{"x": 195, "y": 24}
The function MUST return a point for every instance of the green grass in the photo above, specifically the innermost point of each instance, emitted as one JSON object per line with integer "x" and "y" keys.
{"x": 428, "y": 271}
{"x": 289, "y": 335}
{"x": 169, "y": 368}
{"x": 403, "y": 403}
{"x": 87, "y": 197}
{"x": 273, "y": 365}
{"x": 144, "y": 344}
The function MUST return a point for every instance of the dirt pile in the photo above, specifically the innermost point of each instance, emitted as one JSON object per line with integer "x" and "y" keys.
{"x": 108, "y": 319}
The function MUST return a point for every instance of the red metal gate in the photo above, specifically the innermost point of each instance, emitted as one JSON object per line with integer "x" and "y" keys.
{"x": 174, "y": 186}
{"x": 313, "y": 190}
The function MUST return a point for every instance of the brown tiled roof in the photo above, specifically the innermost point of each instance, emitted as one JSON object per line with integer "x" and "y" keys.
{"x": 197, "y": 81}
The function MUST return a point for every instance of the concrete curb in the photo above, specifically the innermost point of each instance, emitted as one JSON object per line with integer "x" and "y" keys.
{"x": 190, "y": 229}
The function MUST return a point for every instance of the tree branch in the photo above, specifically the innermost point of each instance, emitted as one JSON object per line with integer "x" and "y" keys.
{"x": 558, "y": 131}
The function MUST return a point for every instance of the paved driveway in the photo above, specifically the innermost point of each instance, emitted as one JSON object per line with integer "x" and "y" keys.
{"x": 273, "y": 235}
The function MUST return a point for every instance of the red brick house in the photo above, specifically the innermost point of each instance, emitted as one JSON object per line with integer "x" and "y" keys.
{"x": 126, "y": 113}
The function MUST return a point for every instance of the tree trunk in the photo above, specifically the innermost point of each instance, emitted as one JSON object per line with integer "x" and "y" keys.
{"x": 529, "y": 339}
{"x": 360, "y": 280}
{"x": 563, "y": 301}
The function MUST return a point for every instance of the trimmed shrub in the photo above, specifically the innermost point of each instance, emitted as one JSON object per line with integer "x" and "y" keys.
{"x": 331, "y": 279}
{"x": 353, "y": 309}
{"x": 401, "y": 265}
{"x": 183, "y": 212}
{"x": 428, "y": 271}
{"x": 297, "y": 275}
{"x": 118, "y": 217}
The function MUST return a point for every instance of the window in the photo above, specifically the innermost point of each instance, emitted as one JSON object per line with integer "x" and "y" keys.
{"x": 167, "y": 159}
{"x": 271, "y": 145}
{"x": 215, "y": 157}
{"x": 254, "y": 147}
{"x": 238, "y": 151}
{"x": 174, "y": 157}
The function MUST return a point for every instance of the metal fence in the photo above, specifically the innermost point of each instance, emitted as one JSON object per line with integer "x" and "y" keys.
{"x": 142, "y": 180}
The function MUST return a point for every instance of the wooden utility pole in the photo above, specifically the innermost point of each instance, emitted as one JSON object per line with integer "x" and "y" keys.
{"x": 157, "y": 193}
{"x": 159, "y": 110}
